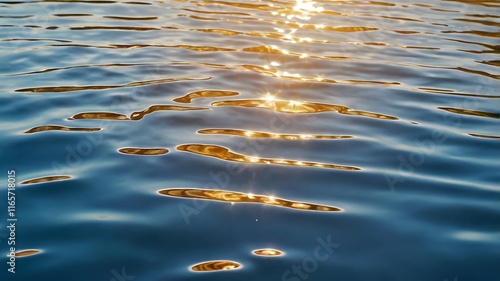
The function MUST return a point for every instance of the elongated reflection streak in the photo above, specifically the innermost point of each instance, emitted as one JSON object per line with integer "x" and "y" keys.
{"x": 27, "y": 253}
{"x": 238, "y": 197}
{"x": 471, "y": 112}
{"x": 205, "y": 94}
{"x": 60, "y": 128}
{"x": 216, "y": 266}
{"x": 263, "y": 135}
{"x": 138, "y": 115}
{"x": 99, "y": 115}
{"x": 223, "y": 153}
{"x": 143, "y": 151}
{"x": 484, "y": 136}
{"x": 46, "y": 179}
{"x": 284, "y": 106}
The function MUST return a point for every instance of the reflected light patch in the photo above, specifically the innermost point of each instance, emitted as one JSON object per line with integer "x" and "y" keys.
{"x": 307, "y": 6}
{"x": 268, "y": 252}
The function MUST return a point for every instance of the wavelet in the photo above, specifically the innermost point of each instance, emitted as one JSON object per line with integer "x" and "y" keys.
{"x": 223, "y": 153}
{"x": 238, "y": 197}
{"x": 60, "y": 128}
{"x": 46, "y": 179}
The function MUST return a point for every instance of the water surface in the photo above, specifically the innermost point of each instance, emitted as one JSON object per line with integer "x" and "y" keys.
{"x": 252, "y": 140}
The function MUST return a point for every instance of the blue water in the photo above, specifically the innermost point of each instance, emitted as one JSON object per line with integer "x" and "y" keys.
{"x": 412, "y": 88}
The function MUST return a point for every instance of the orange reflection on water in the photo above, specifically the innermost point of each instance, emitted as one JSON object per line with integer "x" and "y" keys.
{"x": 265, "y": 135}
{"x": 223, "y": 153}
{"x": 60, "y": 128}
{"x": 143, "y": 151}
{"x": 99, "y": 115}
{"x": 216, "y": 266}
{"x": 290, "y": 106}
{"x": 205, "y": 94}
{"x": 239, "y": 197}
{"x": 46, "y": 179}
{"x": 26, "y": 253}
{"x": 268, "y": 252}
{"x": 138, "y": 115}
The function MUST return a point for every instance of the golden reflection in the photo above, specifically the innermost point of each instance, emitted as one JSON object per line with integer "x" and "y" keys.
{"x": 268, "y": 252}
{"x": 216, "y": 266}
{"x": 307, "y": 6}
{"x": 266, "y": 135}
{"x": 138, "y": 115}
{"x": 238, "y": 197}
{"x": 99, "y": 115}
{"x": 26, "y": 253}
{"x": 273, "y": 72}
{"x": 205, "y": 94}
{"x": 60, "y": 128}
{"x": 223, "y": 153}
{"x": 143, "y": 151}
{"x": 46, "y": 179}
{"x": 285, "y": 106}
{"x": 269, "y": 98}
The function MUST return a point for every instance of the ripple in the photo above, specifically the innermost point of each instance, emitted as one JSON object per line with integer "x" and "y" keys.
{"x": 35, "y": 40}
{"x": 223, "y": 153}
{"x": 289, "y": 106}
{"x": 46, "y": 179}
{"x": 238, "y": 197}
{"x": 99, "y": 115}
{"x": 138, "y": 115}
{"x": 143, "y": 151}
{"x": 452, "y": 92}
{"x": 268, "y": 252}
{"x": 484, "y": 136}
{"x": 205, "y": 94}
{"x": 27, "y": 253}
{"x": 267, "y": 70}
{"x": 60, "y": 89}
{"x": 130, "y": 18}
{"x": 471, "y": 112}
{"x": 262, "y": 7}
{"x": 257, "y": 134}
{"x": 129, "y": 28}
{"x": 72, "y": 15}
{"x": 217, "y": 265}
{"x": 187, "y": 47}
{"x": 209, "y": 65}
{"x": 60, "y": 128}
{"x": 217, "y": 12}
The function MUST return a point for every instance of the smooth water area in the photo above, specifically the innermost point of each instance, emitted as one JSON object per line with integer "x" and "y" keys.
{"x": 251, "y": 140}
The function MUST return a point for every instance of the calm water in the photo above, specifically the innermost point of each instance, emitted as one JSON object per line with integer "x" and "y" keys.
{"x": 285, "y": 140}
